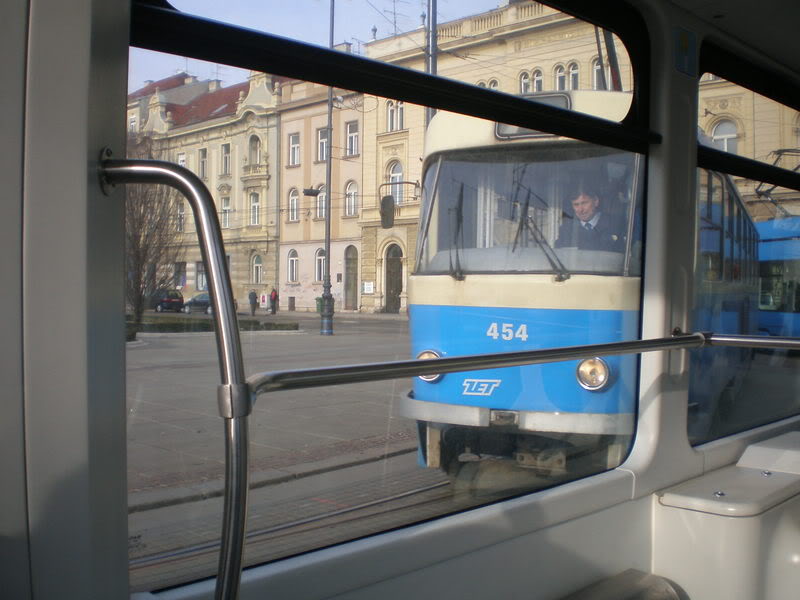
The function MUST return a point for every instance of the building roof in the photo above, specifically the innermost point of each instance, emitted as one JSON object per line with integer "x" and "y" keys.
{"x": 219, "y": 103}
{"x": 167, "y": 83}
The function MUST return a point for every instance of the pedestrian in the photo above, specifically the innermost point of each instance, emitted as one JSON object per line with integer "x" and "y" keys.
{"x": 253, "y": 302}
{"x": 273, "y": 301}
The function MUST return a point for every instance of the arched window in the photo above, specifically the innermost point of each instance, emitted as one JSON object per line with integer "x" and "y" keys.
{"x": 598, "y": 79}
{"x": 294, "y": 264}
{"x": 481, "y": 84}
{"x": 258, "y": 269}
{"x": 538, "y": 81}
{"x": 574, "y": 76}
{"x": 255, "y": 208}
{"x": 560, "y": 78}
{"x": 319, "y": 271}
{"x": 724, "y": 136}
{"x": 395, "y": 172}
{"x": 494, "y": 84}
{"x": 524, "y": 82}
{"x": 321, "y": 202}
{"x": 351, "y": 199}
{"x": 294, "y": 200}
{"x": 401, "y": 109}
{"x": 394, "y": 115}
{"x": 254, "y": 156}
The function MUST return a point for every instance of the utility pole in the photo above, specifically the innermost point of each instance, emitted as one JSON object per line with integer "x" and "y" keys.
{"x": 326, "y": 316}
{"x": 430, "y": 59}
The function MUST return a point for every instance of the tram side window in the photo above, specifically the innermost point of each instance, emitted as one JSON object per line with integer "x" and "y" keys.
{"x": 710, "y": 230}
{"x": 734, "y": 389}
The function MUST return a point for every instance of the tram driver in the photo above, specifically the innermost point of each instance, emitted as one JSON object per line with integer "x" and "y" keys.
{"x": 591, "y": 228}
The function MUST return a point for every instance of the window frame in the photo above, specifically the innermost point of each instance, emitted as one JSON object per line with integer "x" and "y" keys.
{"x": 319, "y": 265}
{"x": 351, "y": 199}
{"x": 254, "y": 205}
{"x": 293, "y": 150}
{"x": 352, "y": 138}
{"x": 225, "y": 159}
{"x": 293, "y": 208}
{"x": 225, "y": 211}
{"x": 322, "y": 144}
{"x": 293, "y": 266}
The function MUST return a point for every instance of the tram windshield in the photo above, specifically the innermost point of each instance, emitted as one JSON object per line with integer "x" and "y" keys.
{"x": 535, "y": 208}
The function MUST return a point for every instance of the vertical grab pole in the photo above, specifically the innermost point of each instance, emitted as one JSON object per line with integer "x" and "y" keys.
{"x": 234, "y": 395}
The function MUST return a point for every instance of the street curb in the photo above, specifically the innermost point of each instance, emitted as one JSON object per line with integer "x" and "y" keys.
{"x": 173, "y": 496}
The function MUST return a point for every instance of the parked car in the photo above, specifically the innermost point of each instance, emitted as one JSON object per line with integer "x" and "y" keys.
{"x": 199, "y": 303}
{"x": 167, "y": 300}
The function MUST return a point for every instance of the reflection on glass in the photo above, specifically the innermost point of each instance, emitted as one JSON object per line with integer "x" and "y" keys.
{"x": 745, "y": 282}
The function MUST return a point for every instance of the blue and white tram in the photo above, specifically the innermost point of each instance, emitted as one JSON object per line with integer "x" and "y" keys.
{"x": 495, "y": 274}
{"x": 779, "y": 271}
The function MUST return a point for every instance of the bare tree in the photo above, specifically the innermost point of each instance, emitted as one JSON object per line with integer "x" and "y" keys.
{"x": 154, "y": 222}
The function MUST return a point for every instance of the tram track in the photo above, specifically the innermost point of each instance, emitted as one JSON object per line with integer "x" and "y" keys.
{"x": 264, "y": 534}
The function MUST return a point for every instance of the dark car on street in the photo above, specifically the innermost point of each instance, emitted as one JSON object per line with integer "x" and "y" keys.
{"x": 167, "y": 300}
{"x": 199, "y": 303}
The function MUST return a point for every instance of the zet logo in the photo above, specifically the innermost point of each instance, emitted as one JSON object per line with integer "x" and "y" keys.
{"x": 480, "y": 387}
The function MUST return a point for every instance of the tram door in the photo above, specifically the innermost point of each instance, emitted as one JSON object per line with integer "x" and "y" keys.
{"x": 394, "y": 278}
{"x": 351, "y": 278}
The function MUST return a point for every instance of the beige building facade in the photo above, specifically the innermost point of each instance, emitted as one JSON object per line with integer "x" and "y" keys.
{"x": 228, "y": 138}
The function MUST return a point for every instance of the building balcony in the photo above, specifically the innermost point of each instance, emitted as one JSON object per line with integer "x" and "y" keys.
{"x": 255, "y": 171}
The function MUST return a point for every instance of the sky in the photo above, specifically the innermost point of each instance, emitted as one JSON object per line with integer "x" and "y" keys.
{"x": 305, "y": 20}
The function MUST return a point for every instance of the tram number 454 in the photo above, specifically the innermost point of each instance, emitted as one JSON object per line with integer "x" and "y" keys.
{"x": 506, "y": 331}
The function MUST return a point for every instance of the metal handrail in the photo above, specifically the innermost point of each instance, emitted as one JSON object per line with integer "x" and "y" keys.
{"x": 261, "y": 383}
{"x": 235, "y": 401}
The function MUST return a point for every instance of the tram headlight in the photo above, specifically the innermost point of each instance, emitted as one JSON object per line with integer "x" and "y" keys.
{"x": 427, "y": 355}
{"x": 593, "y": 374}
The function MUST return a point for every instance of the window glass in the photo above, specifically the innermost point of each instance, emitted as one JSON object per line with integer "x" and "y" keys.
{"x": 471, "y": 34}
{"x": 349, "y": 446}
{"x": 734, "y": 119}
{"x": 742, "y": 232}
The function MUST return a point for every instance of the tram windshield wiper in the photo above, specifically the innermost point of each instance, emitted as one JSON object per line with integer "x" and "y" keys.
{"x": 527, "y": 222}
{"x": 456, "y": 272}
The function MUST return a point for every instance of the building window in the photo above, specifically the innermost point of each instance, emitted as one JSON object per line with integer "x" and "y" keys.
{"x": 258, "y": 269}
{"x": 560, "y": 78}
{"x": 351, "y": 131}
{"x": 179, "y": 275}
{"x": 294, "y": 199}
{"x": 321, "y": 202}
{"x": 202, "y": 163}
{"x": 524, "y": 83}
{"x": 132, "y": 124}
{"x": 494, "y": 84}
{"x": 181, "y": 159}
{"x": 225, "y": 162}
{"x": 294, "y": 264}
{"x": 294, "y": 149}
{"x": 574, "y": 76}
{"x": 225, "y": 201}
{"x": 255, "y": 207}
{"x": 538, "y": 81}
{"x": 598, "y": 79}
{"x": 351, "y": 199}
{"x": 724, "y": 136}
{"x": 200, "y": 281}
{"x": 322, "y": 144}
{"x": 394, "y": 115}
{"x": 180, "y": 221}
{"x": 319, "y": 272}
{"x": 254, "y": 154}
{"x": 395, "y": 177}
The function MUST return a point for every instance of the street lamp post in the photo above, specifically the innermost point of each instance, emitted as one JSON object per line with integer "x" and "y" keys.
{"x": 326, "y": 317}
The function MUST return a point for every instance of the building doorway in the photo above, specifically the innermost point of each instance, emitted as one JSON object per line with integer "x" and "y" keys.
{"x": 351, "y": 278}
{"x": 394, "y": 278}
